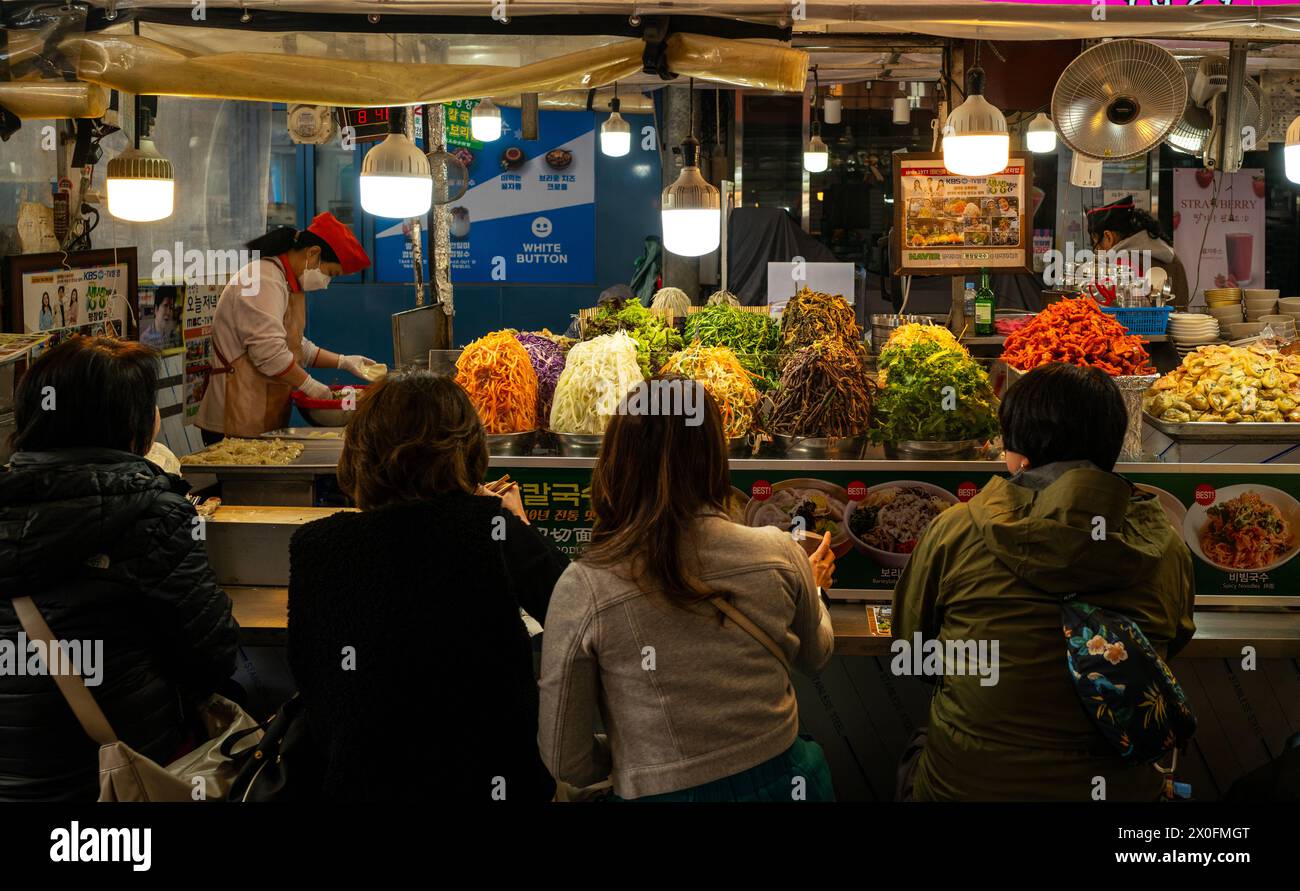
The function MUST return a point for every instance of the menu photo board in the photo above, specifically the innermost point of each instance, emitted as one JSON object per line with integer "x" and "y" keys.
{"x": 948, "y": 224}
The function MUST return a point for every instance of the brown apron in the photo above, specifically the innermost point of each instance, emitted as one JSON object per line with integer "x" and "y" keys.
{"x": 255, "y": 402}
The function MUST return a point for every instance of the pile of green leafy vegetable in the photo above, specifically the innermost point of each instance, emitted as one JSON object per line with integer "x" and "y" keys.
{"x": 655, "y": 339}
{"x": 753, "y": 337}
{"x": 933, "y": 393}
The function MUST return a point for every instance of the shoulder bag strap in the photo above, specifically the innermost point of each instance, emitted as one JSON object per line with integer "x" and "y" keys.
{"x": 755, "y": 632}
{"x": 72, "y": 686}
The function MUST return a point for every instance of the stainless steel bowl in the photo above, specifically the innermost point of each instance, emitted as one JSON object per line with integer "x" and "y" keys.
{"x": 931, "y": 450}
{"x": 740, "y": 447}
{"x": 579, "y": 445}
{"x": 326, "y": 417}
{"x": 820, "y": 448}
{"x": 511, "y": 443}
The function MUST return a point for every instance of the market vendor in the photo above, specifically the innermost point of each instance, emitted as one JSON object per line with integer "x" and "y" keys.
{"x": 1123, "y": 226}
{"x": 260, "y": 355}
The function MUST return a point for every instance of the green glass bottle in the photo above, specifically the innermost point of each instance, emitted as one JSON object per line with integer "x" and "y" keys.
{"x": 984, "y": 311}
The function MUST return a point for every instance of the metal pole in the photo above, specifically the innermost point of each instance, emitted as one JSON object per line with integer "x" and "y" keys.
{"x": 417, "y": 250}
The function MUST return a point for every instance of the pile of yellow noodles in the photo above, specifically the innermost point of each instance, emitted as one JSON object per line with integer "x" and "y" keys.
{"x": 498, "y": 376}
{"x": 730, "y": 385}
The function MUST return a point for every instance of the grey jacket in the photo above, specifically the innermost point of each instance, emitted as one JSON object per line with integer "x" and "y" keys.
{"x": 685, "y": 699}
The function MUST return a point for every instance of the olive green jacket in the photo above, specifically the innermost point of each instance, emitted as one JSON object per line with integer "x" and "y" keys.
{"x": 995, "y": 568}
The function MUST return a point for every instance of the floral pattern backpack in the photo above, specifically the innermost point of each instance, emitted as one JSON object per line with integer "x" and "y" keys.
{"x": 1126, "y": 688}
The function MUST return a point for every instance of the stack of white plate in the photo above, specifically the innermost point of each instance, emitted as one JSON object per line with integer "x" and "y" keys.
{"x": 1189, "y": 330}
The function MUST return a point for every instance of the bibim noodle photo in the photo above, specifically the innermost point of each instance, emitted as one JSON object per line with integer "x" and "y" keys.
{"x": 888, "y": 524}
{"x": 1245, "y": 532}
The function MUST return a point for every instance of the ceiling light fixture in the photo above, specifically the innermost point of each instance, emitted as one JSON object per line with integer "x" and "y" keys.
{"x": 975, "y": 138}
{"x": 141, "y": 183}
{"x": 691, "y": 208}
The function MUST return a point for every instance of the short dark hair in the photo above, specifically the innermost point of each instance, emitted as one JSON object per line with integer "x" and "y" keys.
{"x": 104, "y": 395}
{"x": 414, "y": 435}
{"x": 1063, "y": 412}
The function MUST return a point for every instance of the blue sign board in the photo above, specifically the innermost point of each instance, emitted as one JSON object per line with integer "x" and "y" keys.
{"x": 529, "y": 215}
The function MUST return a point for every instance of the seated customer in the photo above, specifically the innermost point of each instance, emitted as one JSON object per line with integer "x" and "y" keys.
{"x": 695, "y": 706}
{"x": 405, "y": 636}
{"x": 103, "y": 541}
{"x": 996, "y": 568}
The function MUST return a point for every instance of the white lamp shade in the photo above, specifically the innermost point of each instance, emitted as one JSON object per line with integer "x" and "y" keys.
{"x": 902, "y": 111}
{"x": 395, "y": 179}
{"x": 1040, "y": 135}
{"x": 141, "y": 185}
{"x": 141, "y": 200}
{"x": 1291, "y": 154}
{"x": 615, "y": 136}
{"x": 817, "y": 157}
{"x": 831, "y": 110}
{"x": 485, "y": 121}
{"x": 692, "y": 233}
{"x": 975, "y": 139}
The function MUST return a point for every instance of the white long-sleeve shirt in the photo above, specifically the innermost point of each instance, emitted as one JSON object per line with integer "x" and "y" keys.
{"x": 254, "y": 322}
{"x": 251, "y": 322}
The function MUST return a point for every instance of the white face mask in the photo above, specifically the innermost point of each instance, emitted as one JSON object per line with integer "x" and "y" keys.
{"x": 314, "y": 280}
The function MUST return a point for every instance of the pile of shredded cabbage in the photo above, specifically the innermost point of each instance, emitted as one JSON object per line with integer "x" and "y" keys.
{"x": 597, "y": 374}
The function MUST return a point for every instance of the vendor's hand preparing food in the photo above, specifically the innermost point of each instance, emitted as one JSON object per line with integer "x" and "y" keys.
{"x": 356, "y": 365}
{"x": 823, "y": 563}
{"x": 315, "y": 389}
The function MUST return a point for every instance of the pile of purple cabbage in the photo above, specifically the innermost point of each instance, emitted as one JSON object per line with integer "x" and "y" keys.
{"x": 547, "y": 358}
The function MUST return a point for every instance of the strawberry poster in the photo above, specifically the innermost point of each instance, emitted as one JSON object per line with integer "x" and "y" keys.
{"x": 1219, "y": 220}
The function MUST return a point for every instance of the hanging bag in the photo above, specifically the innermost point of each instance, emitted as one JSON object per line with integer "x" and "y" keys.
{"x": 125, "y": 774}
{"x": 1127, "y": 690}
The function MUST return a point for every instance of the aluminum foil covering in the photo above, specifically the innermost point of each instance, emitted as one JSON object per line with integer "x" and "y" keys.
{"x": 1133, "y": 388}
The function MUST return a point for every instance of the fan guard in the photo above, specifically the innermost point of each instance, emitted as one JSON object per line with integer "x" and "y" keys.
{"x": 1119, "y": 99}
{"x": 1192, "y": 132}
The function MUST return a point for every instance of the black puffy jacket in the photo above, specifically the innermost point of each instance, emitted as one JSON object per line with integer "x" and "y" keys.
{"x": 103, "y": 542}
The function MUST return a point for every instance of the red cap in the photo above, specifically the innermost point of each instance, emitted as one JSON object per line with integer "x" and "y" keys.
{"x": 339, "y": 237}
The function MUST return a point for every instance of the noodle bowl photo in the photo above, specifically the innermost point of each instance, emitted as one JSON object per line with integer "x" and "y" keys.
{"x": 818, "y": 503}
{"x": 888, "y": 523}
{"x": 1248, "y": 528}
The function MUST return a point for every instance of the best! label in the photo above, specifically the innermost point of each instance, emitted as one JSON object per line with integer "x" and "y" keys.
{"x": 967, "y": 491}
{"x": 1205, "y": 494}
{"x": 761, "y": 490}
{"x": 857, "y": 490}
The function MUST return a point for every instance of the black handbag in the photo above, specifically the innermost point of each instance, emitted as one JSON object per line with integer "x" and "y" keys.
{"x": 284, "y": 766}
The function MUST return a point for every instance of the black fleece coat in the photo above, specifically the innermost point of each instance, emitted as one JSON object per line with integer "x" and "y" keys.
{"x": 103, "y": 542}
{"x": 439, "y": 698}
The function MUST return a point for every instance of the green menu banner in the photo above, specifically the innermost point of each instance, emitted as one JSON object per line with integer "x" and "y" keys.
{"x": 1242, "y": 528}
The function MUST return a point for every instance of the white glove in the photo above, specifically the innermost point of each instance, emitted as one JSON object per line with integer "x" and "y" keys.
{"x": 355, "y": 365}
{"x": 314, "y": 389}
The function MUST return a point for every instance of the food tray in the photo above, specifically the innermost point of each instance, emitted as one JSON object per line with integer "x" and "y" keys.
{"x": 318, "y": 458}
{"x": 1244, "y": 432}
{"x": 313, "y": 434}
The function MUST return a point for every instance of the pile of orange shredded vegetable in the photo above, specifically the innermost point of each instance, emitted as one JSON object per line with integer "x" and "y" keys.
{"x": 498, "y": 376}
{"x": 1078, "y": 332}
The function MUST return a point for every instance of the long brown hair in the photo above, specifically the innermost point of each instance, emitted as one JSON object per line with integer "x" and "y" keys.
{"x": 414, "y": 435}
{"x": 655, "y": 475}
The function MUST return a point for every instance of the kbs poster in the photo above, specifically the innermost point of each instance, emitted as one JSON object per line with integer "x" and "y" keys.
{"x": 1230, "y": 226}
{"x": 200, "y": 306}
{"x": 88, "y": 300}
